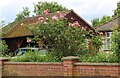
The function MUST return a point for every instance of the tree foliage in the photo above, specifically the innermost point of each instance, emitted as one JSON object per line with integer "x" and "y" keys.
{"x": 105, "y": 19}
{"x": 2, "y": 23}
{"x": 117, "y": 10}
{"x": 22, "y": 15}
{"x": 99, "y": 21}
{"x": 50, "y": 7}
{"x": 95, "y": 22}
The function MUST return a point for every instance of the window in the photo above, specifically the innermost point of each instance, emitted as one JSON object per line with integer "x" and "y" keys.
{"x": 107, "y": 40}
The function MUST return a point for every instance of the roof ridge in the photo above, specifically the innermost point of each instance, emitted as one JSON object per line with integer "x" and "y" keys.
{"x": 107, "y": 22}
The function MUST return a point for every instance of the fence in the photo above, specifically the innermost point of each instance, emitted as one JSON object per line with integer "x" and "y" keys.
{"x": 69, "y": 67}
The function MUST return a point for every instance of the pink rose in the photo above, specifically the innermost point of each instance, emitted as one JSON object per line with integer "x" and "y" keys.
{"x": 46, "y": 11}
{"x": 100, "y": 33}
{"x": 41, "y": 18}
{"x": 83, "y": 28}
{"x": 54, "y": 17}
{"x": 70, "y": 24}
{"x": 61, "y": 15}
{"x": 76, "y": 23}
{"x": 29, "y": 40}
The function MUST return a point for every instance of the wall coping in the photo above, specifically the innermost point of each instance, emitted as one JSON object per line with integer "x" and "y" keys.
{"x": 33, "y": 63}
{"x": 3, "y": 59}
{"x": 97, "y": 64}
{"x": 54, "y": 63}
{"x": 70, "y": 58}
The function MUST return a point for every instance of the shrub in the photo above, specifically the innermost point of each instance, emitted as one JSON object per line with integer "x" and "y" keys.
{"x": 96, "y": 43}
{"x": 34, "y": 57}
{"x": 3, "y": 48}
{"x": 100, "y": 57}
{"x": 115, "y": 42}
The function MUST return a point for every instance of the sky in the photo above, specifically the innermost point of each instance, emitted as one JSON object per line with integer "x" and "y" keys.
{"x": 87, "y": 9}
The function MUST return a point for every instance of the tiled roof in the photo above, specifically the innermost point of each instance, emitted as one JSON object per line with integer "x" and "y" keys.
{"x": 109, "y": 26}
{"x": 21, "y": 28}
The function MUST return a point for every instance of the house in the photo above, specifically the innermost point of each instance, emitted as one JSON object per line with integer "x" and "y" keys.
{"x": 105, "y": 31}
{"x": 18, "y": 35}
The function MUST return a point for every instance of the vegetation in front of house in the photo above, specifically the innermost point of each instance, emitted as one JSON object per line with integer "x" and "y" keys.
{"x": 115, "y": 42}
{"x": 63, "y": 40}
{"x": 34, "y": 57}
{"x": 100, "y": 57}
{"x": 3, "y": 48}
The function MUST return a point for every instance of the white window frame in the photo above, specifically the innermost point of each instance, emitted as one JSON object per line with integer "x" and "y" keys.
{"x": 107, "y": 43}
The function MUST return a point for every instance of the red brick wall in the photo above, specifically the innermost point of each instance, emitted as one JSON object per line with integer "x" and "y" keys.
{"x": 33, "y": 69}
{"x": 69, "y": 67}
{"x": 96, "y": 69}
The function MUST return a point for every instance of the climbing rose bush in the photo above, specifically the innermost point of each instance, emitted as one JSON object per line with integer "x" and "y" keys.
{"x": 60, "y": 37}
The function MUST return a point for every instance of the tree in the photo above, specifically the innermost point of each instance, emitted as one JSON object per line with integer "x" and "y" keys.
{"x": 105, "y": 19}
{"x": 45, "y": 7}
{"x": 22, "y": 15}
{"x": 117, "y": 10}
{"x": 95, "y": 22}
{"x": 2, "y": 23}
{"x": 99, "y": 21}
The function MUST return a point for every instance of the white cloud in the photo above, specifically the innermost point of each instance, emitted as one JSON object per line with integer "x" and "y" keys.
{"x": 2, "y": 18}
{"x": 5, "y": 2}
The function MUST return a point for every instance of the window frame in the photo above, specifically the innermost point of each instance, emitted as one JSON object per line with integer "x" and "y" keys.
{"x": 107, "y": 43}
